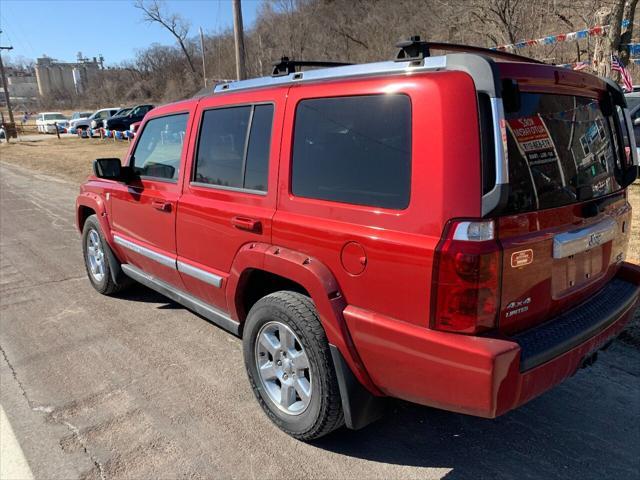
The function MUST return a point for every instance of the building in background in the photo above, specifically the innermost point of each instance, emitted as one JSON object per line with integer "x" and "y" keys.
{"x": 22, "y": 85}
{"x": 56, "y": 77}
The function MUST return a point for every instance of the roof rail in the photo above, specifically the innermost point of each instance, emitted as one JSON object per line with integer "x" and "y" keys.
{"x": 356, "y": 70}
{"x": 414, "y": 56}
{"x": 286, "y": 66}
{"x": 416, "y": 50}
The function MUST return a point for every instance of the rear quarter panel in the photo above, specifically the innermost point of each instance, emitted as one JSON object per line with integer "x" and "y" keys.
{"x": 398, "y": 244}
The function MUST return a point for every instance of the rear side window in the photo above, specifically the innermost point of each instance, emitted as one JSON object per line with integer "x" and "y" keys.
{"x": 562, "y": 150}
{"x": 233, "y": 148}
{"x": 354, "y": 150}
{"x": 159, "y": 148}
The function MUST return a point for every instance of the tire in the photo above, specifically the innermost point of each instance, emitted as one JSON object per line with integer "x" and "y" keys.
{"x": 95, "y": 252}
{"x": 296, "y": 313}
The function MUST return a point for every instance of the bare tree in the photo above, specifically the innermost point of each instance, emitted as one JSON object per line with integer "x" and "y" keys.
{"x": 609, "y": 43}
{"x": 627, "y": 32}
{"x": 177, "y": 26}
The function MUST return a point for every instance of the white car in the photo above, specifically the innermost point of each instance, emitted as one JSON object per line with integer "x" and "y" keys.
{"x": 79, "y": 115}
{"x": 46, "y": 122}
{"x": 101, "y": 114}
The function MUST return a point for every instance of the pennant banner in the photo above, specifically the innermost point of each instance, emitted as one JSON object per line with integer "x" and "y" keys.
{"x": 575, "y": 65}
{"x": 563, "y": 37}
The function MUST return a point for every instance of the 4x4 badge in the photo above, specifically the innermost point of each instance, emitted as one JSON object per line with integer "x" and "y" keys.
{"x": 521, "y": 258}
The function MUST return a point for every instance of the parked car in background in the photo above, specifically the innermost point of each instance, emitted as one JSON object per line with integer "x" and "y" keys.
{"x": 46, "y": 122}
{"x": 100, "y": 122}
{"x": 121, "y": 123}
{"x": 448, "y": 230}
{"x": 101, "y": 114}
{"x": 79, "y": 115}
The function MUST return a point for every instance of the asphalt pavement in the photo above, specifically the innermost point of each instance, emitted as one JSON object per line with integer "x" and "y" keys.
{"x": 138, "y": 387}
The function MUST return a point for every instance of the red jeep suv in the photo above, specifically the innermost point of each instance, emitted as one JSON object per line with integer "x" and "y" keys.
{"x": 449, "y": 230}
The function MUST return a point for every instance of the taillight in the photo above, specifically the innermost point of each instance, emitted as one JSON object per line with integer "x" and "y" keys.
{"x": 466, "y": 278}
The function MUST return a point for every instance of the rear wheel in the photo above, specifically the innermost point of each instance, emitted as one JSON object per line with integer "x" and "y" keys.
{"x": 289, "y": 366}
{"x": 94, "y": 248}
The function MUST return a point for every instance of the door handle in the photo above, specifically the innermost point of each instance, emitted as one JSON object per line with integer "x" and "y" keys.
{"x": 248, "y": 224}
{"x": 162, "y": 206}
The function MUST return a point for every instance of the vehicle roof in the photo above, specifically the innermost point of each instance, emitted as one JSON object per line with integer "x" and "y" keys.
{"x": 387, "y": 68}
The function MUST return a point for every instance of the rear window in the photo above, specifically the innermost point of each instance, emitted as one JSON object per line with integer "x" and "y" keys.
{"x": 354, "y": 150}
{"x": 561, "y": 149}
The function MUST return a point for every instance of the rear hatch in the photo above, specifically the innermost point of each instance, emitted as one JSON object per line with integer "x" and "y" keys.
{"x": 565, "y": 227}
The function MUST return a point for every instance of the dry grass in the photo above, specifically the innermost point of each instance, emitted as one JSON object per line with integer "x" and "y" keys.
{"x": 68, "y": 158}
{"x": 71, "y": 158}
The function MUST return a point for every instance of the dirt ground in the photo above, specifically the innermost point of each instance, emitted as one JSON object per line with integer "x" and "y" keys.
{"x": 71, "y": 159}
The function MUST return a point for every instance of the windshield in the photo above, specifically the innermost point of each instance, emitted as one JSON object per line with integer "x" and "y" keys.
{"x": 562, "y": 150}
{"x": 122, "y": 113}
{"x": 54, "y": 116}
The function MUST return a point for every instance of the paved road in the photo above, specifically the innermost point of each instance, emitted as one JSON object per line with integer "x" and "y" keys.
{"x": 138, "y": 387}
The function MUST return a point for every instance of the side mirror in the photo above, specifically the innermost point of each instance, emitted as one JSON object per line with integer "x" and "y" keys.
{"x": 109, "y": 169}
{"x": 636, "y": 122}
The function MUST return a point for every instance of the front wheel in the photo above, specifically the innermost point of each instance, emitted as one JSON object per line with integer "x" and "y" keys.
{"x": 94, "y": 248}
{"x": 289, "y": 365}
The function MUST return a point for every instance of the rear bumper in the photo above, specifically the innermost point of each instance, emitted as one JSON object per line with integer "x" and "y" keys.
{"x": 489, "y": 376}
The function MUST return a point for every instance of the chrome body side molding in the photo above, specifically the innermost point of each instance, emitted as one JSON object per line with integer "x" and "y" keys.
{"x": 198, "y": 273}
{"x": 582, "y": 239}
{"x": 208, "y": 311}
{"x": 167, "y": 261}
{"x": 146, "y": 252}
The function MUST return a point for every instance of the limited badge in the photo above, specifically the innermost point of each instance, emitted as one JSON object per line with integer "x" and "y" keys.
{"x": 521, "y": 258}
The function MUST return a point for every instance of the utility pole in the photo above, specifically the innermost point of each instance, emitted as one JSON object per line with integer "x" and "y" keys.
{"x": 238, "y": 35}
{"x": 204, "y": 63}
{"x": 4, "y": 85}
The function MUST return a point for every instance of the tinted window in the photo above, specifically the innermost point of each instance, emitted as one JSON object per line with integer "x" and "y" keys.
{"x": 227, "y": 154}
{"x": 560, "y": 147}
{"x": 354, "y": 150}
{"x": 159, "y": 147}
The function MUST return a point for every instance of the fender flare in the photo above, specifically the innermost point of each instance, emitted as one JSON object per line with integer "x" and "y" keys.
{"x": 318, "y": 280}
{"x": 95, "y": 202}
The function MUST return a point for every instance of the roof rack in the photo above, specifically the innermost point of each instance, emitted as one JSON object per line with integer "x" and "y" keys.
{"x": 416, "y": 50}
{"x": 414, "y": 56}
{"x": 286, "y": 66}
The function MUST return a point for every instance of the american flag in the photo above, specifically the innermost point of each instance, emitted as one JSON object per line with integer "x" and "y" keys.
{"x": 618, "y": 66}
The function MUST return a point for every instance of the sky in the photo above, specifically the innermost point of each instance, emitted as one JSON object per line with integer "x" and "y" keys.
{"x": 113, "y": 28}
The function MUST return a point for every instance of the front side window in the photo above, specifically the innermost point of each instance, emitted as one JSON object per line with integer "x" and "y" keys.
{"x": 354, "y": 150}
{"x": 159, "y": 148}
{"x": 233, "y": 148}
{"x": 562, "y": 150}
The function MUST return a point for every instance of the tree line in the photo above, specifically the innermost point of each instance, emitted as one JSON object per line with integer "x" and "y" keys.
{"x": 350, "y": 31}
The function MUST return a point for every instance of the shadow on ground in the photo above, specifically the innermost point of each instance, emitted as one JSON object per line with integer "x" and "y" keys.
{"x": 586, "y": 428}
